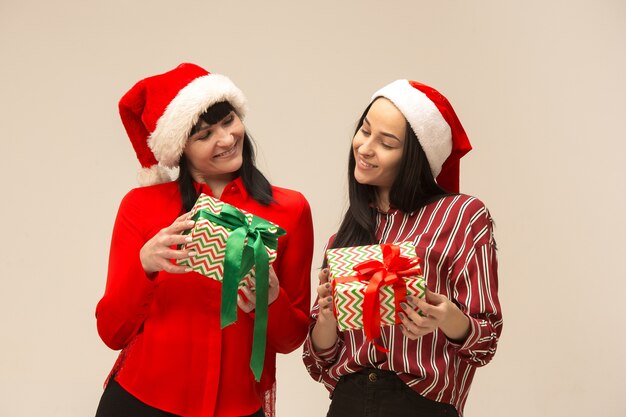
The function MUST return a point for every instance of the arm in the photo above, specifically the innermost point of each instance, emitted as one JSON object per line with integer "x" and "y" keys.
{"x": 288, "y": 314}
{"x": 476, "y": 289}
{"x": 470, "y": 315}
{"x": 135, "y": 259}
{"x": 129, "y": 290}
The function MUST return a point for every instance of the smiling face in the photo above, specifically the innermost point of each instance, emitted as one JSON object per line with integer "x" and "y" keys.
{"x": 214, "y": 151}
{"x": 378, "y": 146}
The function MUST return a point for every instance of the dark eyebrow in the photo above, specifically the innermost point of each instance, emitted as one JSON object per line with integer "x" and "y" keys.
{"x": 389, "y": 135}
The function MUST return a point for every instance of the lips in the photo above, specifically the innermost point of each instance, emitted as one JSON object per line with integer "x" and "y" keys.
{"x": 365, "y": 165}
{"x": 227, "y": 153}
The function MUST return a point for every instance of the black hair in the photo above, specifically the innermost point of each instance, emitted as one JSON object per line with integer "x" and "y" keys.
{"x": 413, "y": 188}
{"x": 255, "y": 182}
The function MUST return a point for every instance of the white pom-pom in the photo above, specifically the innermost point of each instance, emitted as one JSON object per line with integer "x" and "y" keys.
{"x": 154, "y": 175}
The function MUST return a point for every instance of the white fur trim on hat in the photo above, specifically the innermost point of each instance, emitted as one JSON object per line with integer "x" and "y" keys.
{"x": 154, "y": 175}
{"x": 173, "y": 127}
{"x": 431, "y": 129}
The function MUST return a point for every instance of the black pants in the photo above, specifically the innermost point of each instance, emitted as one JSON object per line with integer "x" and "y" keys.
{"x": 376, "y": 393}
{"x": 117, "y": 402}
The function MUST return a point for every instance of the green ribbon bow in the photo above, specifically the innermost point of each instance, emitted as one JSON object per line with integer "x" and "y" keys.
{"x": 245, "y": 248}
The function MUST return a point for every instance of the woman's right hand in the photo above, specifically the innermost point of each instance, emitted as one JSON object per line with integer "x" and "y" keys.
{"x": 325, "y": 300}
{"x": 155, "y": 255}
{"x": 324, "y": 334}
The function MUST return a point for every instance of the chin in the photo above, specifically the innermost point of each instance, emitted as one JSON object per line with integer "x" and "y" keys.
{"x": 361, "y": 179}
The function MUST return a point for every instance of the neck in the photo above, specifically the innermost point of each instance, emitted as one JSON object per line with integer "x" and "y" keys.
{"x": 382, "y": 199}
{"x": 216, "y": 183}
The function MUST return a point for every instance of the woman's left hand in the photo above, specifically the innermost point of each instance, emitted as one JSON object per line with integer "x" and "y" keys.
{"x": 250, "y": 305}
{"x": 437, "y": 312}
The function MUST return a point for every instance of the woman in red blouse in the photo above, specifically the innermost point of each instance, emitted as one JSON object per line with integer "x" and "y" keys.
{"x": 403, "y": 186}
{"x": 175, "y": 358}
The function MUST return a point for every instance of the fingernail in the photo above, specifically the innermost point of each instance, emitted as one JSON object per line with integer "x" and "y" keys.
{"x": 188, "y": 269}
{"x": 188, "y": 239}
{"x": 192, "y": 253}
{"x": 325, "y": 270}
{"x": 191, "y": 222}
{"x": 402, "y": 315}
{"x": 404, "y": 305}
{"x": 327, "y": 285}
{"x": 409, "y": 298}
{"x": 329, "y": 299}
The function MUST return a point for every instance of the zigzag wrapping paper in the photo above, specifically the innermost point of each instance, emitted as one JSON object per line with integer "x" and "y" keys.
{"x": 348, "y": 296}
{"x": 209, "y": 242}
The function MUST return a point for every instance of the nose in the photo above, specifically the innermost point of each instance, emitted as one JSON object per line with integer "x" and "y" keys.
{"x": 365, "y": 148}
{"x": 225, "y": 138}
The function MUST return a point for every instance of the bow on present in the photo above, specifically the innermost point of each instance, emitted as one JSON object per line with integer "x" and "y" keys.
{"x": 378, "y": 274}
{"x": 245, "y": 248}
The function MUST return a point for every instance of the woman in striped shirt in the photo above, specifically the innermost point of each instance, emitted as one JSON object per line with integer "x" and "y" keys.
{"x": 403, "y": 186}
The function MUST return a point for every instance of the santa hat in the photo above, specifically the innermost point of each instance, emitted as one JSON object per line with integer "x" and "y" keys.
{"x": 159, "y": 112}
{"x": 436, "y": 126}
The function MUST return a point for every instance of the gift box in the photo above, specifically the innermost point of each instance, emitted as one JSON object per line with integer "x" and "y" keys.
{"x": 235, "y": 248}
{"x": 210, "y": 235}
{"x": 369, "y": 283}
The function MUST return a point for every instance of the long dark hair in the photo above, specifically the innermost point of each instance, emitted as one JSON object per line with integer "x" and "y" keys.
{"x": 413, "y": 188}
{"x": 255, "y": 182}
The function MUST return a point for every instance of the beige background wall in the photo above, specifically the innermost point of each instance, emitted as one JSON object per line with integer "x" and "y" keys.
{"x": 539, "y": 85}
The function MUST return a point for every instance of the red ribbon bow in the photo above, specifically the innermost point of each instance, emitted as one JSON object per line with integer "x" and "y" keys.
{"x": 378, "y": 274}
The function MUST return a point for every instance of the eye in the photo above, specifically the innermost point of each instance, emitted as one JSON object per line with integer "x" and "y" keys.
{"x": 386, "y": 146}
{"x": 365, "y": 132}
{"x": 228, "y": 119}
{"x": 204, "y": 135}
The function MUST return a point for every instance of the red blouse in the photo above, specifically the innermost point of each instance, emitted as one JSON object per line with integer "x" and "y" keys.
{"x": 174, "y": 355}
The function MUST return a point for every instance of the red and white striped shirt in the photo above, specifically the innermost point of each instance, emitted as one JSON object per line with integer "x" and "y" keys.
{"x": 454, "y": 238}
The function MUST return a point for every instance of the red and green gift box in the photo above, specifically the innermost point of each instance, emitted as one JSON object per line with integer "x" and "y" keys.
{"x": 235, "y": 248}
{"x": 369, "y": 283}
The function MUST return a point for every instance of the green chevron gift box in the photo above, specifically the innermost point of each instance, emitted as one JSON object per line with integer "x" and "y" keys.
{"x": 211, "y": 233}
{"x": 369, "y": 283}
{"x": 235, "y": 248}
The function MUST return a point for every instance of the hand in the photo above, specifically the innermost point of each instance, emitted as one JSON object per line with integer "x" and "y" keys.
{"x": 325, "y": 300}
{"x": 324, "y": 334}
{"x": 437, "y": 311}
{"x": 156, "y": 253}
{"x": 250, "y": 294}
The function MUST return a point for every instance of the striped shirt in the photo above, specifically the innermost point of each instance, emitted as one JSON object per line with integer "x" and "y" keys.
{"x": 454, "y": 238}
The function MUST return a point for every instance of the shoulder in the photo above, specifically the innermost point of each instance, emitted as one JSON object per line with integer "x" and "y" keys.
{"x": 471, "y": 217}
{"x": 160, "y": 195}
{"x": 152, "y": 193}
{"x": 464, "y": 207}
{"x": 290, "y": 199}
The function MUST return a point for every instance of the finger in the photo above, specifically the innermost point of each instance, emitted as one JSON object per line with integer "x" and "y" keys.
{"x": 174, "y": 269}
{"x": 425, "y": 309}
{"x": 324, "y": 290}
{"x": 175, "y": 254}
{"x": 175, "y": 239}
{"x": 325, "y": 302}
{"x": 408, "y": 333}
{"x": 416, "y": 322}
{"x": 243, "y": 305}
{"x": 179, "y": 226}
{"x": 324, "y": 276}
{"x": 250, "y": 295}
{"x": 273, "y": 278}
{"x": 435, "y": 298}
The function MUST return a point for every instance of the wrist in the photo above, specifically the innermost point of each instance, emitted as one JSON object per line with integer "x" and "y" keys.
{"x": 457, "y": 326}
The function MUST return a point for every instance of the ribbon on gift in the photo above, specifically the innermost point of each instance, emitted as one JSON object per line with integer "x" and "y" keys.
{"x": 245, "y": 248}
{"x": 378, "y": 274}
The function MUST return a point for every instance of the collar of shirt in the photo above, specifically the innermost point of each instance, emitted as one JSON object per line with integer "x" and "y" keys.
{"x": 235, "y": 186}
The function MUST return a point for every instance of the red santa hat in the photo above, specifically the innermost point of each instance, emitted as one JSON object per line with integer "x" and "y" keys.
{"x": 159, "y": 112}
{"x": 436, "y": 126}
